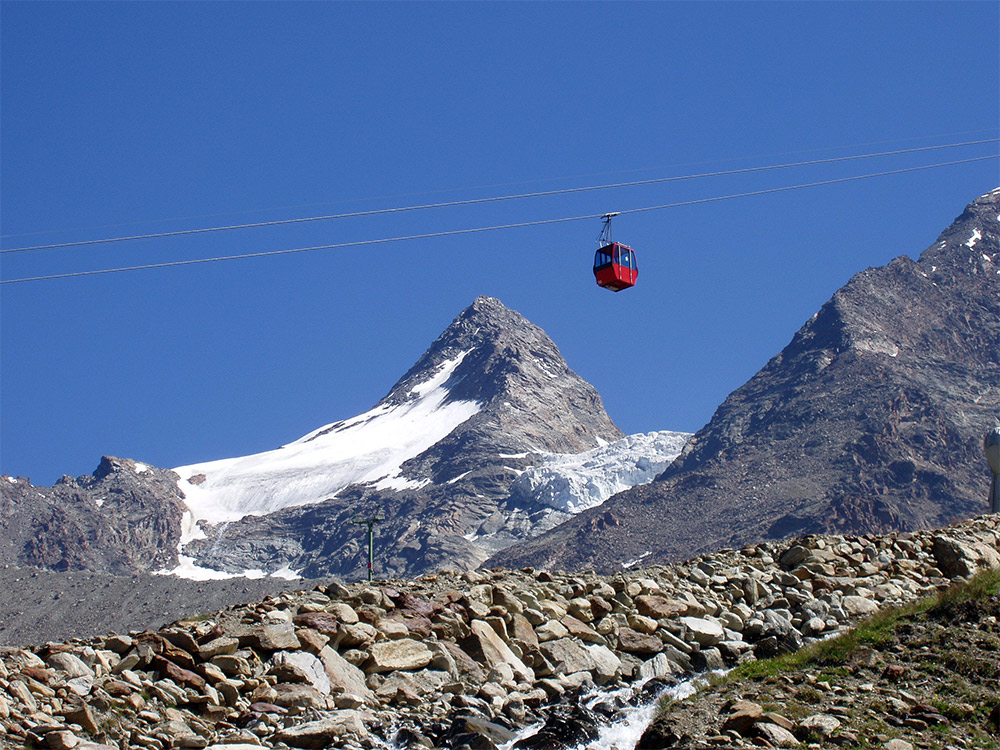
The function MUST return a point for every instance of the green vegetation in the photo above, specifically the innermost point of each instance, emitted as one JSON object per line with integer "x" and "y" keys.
{"x": 940, "y": 653}
{"x": 877, "y": 630}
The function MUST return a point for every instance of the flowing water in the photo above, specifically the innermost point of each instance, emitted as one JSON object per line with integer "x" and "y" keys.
{"x": 630, "y": 721}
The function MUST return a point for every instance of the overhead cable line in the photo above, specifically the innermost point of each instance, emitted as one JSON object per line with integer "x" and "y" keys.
{"x": 491, "y": 199}
{"x": 475, "y": 230}
{"x": 496, "y": 185}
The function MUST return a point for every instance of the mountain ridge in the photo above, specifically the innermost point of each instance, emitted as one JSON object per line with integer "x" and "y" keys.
{"x": 869, "y": 420}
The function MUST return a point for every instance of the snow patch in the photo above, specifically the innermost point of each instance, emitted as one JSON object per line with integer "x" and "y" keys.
{"x": 633, "y": 563}
{"x": 574, "y": 482}
{"x": 140, "y": 468}
{"x": 287, "y": 573}
{"x": 189, "y": 569}
{"x": 370, "y": 447}
{"x": 976, "y": 236}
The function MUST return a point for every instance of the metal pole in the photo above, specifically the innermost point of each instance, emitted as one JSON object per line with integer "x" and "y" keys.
{"x": 370, "y": 523}
{"x": 371, "y": 549}
{"x": 991, "y": 445}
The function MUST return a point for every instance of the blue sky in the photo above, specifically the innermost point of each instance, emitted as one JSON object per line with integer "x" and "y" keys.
{"x": 129, "y": 118}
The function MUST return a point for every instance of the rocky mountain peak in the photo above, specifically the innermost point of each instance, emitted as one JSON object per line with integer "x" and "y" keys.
{"x": 492, "y": 352}
{"x": 871, "y": 419}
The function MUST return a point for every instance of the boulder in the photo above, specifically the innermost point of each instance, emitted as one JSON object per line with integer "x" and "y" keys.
{"x": 344, "y": 676}
{"x": 485, "y": 642}
{"x": 703, "y": 631}
{"x": 300, "y": 666}
{"x": 957, "y": 559}
{"x": 404, "y": 654}
{"x": 324, "y": 732}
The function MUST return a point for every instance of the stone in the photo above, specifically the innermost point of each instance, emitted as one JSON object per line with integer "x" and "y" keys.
{"x": 742, "y": 716}
{"x": 218, "y": 646}
{"x": 487, "y": 643}
{"x": 179, "y": 675}
{"x": 343, "y": 612}
{"x": 703, "y": 631}
{"x": 344, "y": 676}
{"x": 468, "y": 668}
{"x": 72, "y": 665}
{"x": 858, "y": 606}
{"x": 777, "y": 736}
{"x": 897, "y": 744}
{"x": 61, "y": 739}
{"x": 659, "y": 607}
{"x": 963, "y": 559}
{"x": 300, "y": 666}
{"x": 280, "y": 635}
{"x": 551, "y": 630}
{"x": 659, "y": 666}
{"x": 822, "y": 725}
{"x": 606, "y": 667}
{"x": 296, "y": 695}
{"x": 643, "y": 624}
{"x": 404, "y": 654}
{"x": 567, "y": 655}
{"x": 318, "y": 734}
{"x": 635, "y": 642}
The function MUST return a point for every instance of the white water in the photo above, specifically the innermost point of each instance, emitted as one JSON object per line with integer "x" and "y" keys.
{"x": 625, "y": 733}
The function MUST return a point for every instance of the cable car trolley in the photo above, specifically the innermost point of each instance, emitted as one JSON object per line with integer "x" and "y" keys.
{"x": 614, "y": 264}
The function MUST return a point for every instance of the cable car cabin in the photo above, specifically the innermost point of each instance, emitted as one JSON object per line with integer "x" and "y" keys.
{"x": 615, "y": 267}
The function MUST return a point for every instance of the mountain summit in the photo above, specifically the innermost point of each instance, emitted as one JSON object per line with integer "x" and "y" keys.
{"x": 434, "y": 461}
{"x": 870, "y": 420}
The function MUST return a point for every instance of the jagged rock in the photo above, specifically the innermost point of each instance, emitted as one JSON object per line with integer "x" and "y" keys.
{"x": 870, "y": 420}
{"x": 485, "y": 642}
{"x": 344, "y": 676}
{"x": 958, "y": 559}
{"x": 299, "y": 666}
{"x": 318, "y": 734}
{"x": 402, "y": 654}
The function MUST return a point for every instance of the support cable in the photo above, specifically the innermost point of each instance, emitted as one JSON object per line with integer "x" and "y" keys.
{"x": 491, "y": 199}
{"x": 475, "y": 230}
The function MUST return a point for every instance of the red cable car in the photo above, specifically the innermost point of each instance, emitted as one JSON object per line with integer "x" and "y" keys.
{"x": 615, "y": 265}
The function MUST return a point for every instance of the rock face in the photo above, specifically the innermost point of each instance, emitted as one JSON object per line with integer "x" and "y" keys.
{"x": 488, "y": 439}
{"x": 455, "y": 661}
{"x": 871, "y": 419}
{"x": 489, "y": 399}
{"x": 122, "y": 519}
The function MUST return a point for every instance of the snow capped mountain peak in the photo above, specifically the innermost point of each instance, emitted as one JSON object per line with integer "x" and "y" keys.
{"x": 370, "y": 447}
{"x": 491, "y": 398}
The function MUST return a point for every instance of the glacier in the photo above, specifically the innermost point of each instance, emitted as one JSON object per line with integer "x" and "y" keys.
{"x": 574, "y": 482}
{"x": 368, "y": 448}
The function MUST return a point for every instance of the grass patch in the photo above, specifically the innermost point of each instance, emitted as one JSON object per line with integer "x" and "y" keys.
{"x": 876, "y": 630}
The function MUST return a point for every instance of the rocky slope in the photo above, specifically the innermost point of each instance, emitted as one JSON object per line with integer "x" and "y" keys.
{"x": 488, "y": 439}
{"x": 502, "y": 397}
{"x": 453, "y": 661}
{"x": 124, "y": 518}
{"x": 871, "y": 419}
{"x": 920, "y": 679}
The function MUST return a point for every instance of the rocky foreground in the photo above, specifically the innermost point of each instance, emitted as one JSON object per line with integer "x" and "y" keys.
{"x": 465, "y": 660}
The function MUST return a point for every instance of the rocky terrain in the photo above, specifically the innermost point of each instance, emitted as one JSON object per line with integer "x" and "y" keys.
{"x": 481, "y": 659}
{"x": 871, "y": 419}
{"x": 488, "y": 439}
{"x": 925, "y": 676}
{"x": 125, "y": 518}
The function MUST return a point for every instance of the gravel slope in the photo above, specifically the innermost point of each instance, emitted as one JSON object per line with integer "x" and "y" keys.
{"x": 37, "y": 606}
